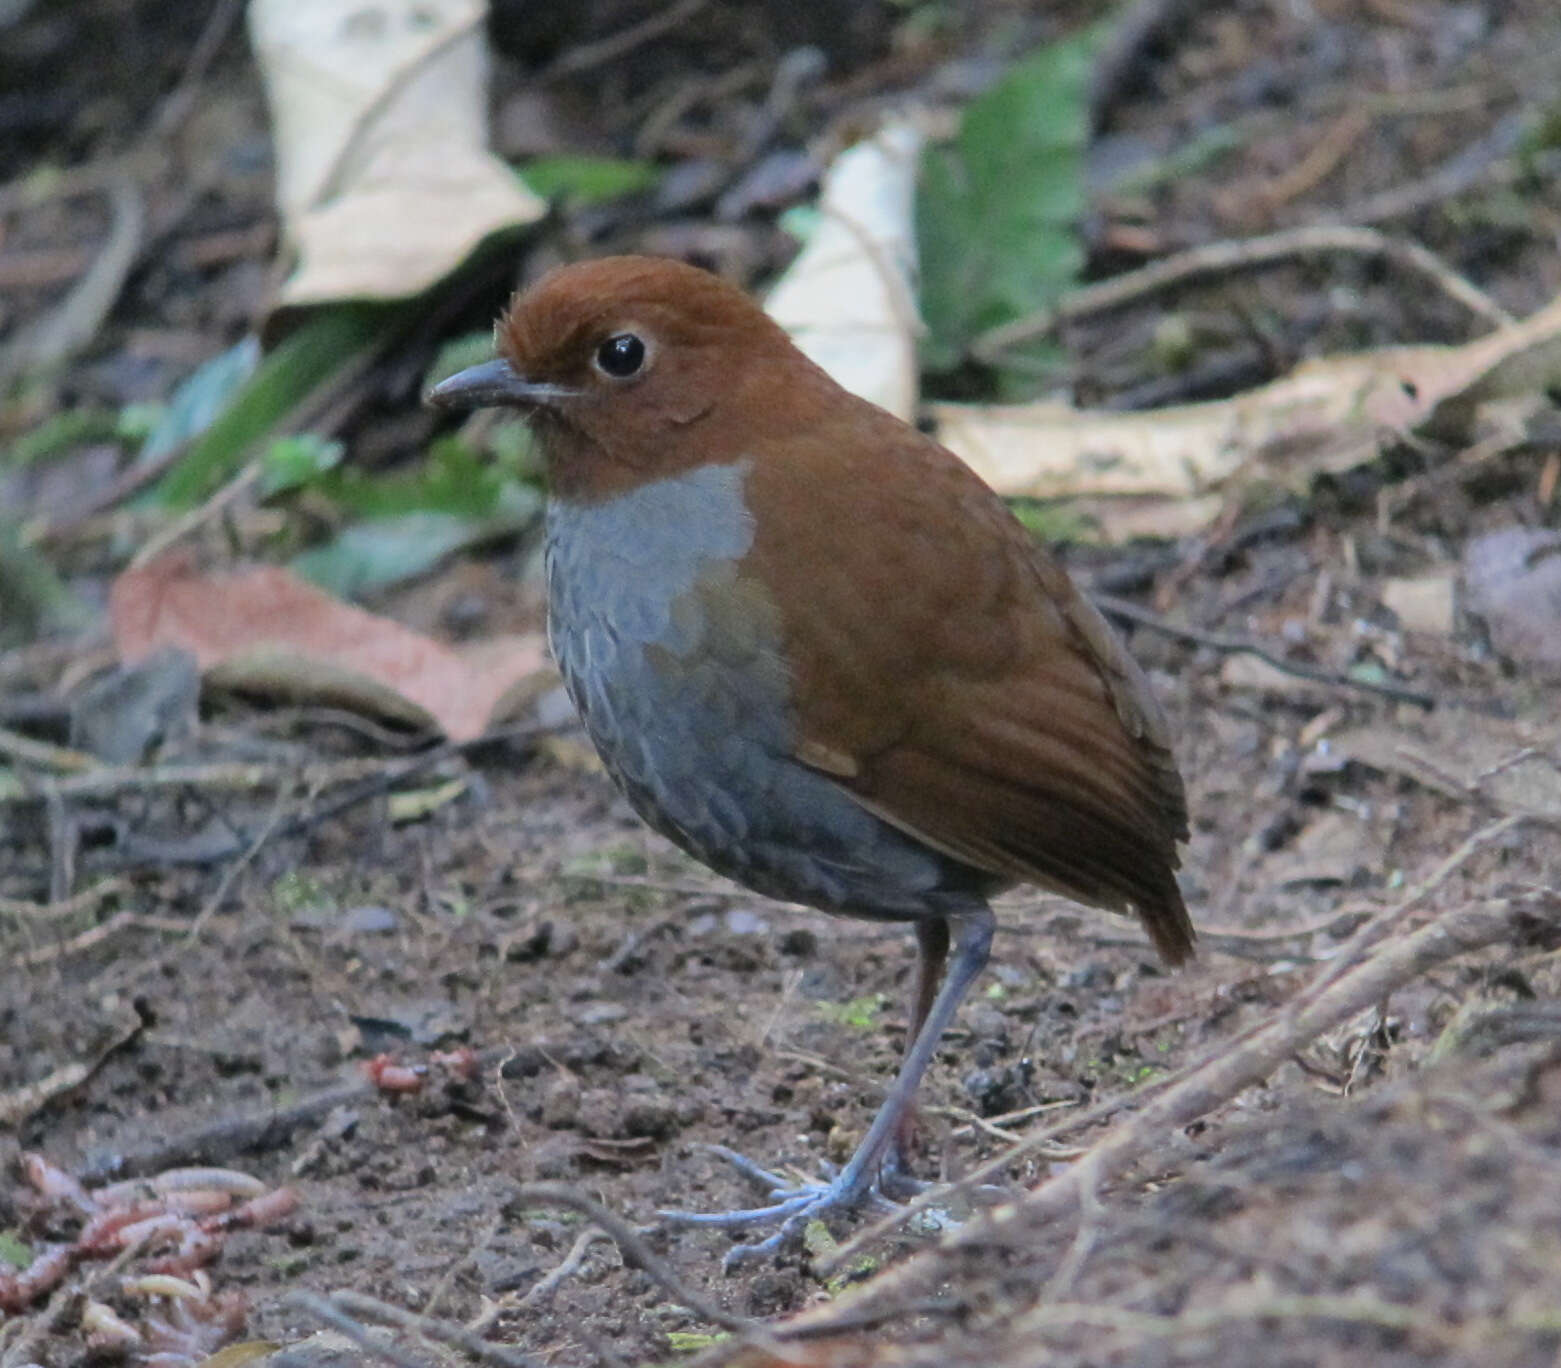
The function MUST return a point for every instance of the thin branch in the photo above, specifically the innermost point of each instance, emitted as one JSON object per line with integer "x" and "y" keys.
{"x": 1241, "y": 254}
{"x": 53, "y": 338}
{"x": 225, "y": 776}
{"x": 617, "y": 45}
{"x": 431, "y": 1327}
{"x": 1456, "y": 176}
{"x": 572, "y": 1261}
{"x": 43, "y": 755}
{"x": 1129, "y": 611}
{"x": 1532, "y": 919}
{"x": 635, "y": 1251}
{"x": 231, "y": 873}
{"x": 356, "y": 1331}
{"x": 96, "y": 935}
{"x": 65, "y": 908}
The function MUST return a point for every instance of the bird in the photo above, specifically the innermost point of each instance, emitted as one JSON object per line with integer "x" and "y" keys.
{"x": 816, "y": 651}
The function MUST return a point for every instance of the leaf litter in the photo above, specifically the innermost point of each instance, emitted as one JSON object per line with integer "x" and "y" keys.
{"x": 261, "y": 630}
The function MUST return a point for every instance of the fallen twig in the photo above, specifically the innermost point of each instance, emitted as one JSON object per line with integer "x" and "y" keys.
{"x": 1532, "y": 920}
{"x": 1334, "y": 145}
{"x": 634, "y": 1250}
{"x": 221, "y": 500}
{"x": 1457, "y": 175}
{"x": 227, "y": 776}
{"x": 231, "y": 873}
{"x": 58, "y": 335}
{"x": 549, "y": 1284}
{"x": 431, "y": 1327}
{"x": 32, "y": 913}
{"x": 95, "y": 935}
{"x": 43, "y": 755}
{"x": 17, "y": 1104}
{"x": 1240, "y": 254}
{"x": 1129, "y": 611}
{"x": 356, "y": 1331}
{"x": 611, "y": 48}
{"x": 1146, "y": 1095}
{"x": 232, "y": 1135}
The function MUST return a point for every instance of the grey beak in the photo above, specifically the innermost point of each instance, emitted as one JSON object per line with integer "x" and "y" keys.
{"x": 493, "y": 384}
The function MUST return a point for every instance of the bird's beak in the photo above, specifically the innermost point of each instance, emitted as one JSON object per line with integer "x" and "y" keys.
{"x": 493, "y": 384}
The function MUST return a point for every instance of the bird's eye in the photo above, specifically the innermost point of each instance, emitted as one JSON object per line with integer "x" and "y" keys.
{"x": 620, "y": 356}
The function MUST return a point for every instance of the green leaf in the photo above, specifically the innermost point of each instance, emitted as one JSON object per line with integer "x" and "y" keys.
{"x": 199, "y": 401}
{"x": 588, "y": 180}
{"x": 322, "y": 344}
{"x": 513, "y": 446}
{"x": 33, "y": 597}
{"x": 998, "y": 207}
{"x": 14, "y": 1250}
{"x": 453, "y": 479}
{"x": 860, "y": 1014}
{"x": 63, "y": 432}
{"x": 292, "y": 462}
{"x": 688, "y": 1341}
{"x": 375, "y": 554}
{"x": 1054, "y": 520}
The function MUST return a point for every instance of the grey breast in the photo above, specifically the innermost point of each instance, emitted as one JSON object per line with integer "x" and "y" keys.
{"x": 673, "y": 658}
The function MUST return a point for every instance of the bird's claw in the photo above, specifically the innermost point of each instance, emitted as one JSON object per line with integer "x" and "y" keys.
{"x": 762, "y": 1177}
{"x": 794, "y": 1207}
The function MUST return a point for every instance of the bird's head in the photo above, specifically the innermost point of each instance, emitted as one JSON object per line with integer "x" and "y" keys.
{"x": 635, "y": 368}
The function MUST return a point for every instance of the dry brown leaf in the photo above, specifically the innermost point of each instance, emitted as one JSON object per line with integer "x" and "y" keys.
{"x": 263, "y": 630}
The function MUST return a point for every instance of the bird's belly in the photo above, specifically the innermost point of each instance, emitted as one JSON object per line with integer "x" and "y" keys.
{"x": 674, "y": 659}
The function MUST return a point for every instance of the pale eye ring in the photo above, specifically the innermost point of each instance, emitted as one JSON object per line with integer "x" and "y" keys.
{"x": 621, "y": 356}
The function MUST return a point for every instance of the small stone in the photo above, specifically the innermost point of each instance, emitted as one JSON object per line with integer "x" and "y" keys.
{"x": 652, "y": 1116}
{"x": 1512, "y": 582}
{"x": 799, "y": 943}
{"x": 743, "y": 921}
{"x": 370, "y": 919}
{"x": 561, "y": 1102}
{"x": 1423, "y": 604}
{"x": 601, "y": 1113}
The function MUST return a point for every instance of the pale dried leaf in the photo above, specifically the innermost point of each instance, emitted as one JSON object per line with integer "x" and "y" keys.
{"x": 1461, "y": 755}
{"x": 262, "y": 630}
{"x": 1422, "y": 603}
{"x": 1250, "y": 672}
{"x": 1326, "y": 415}
{"x": 849, "y": 299}
{"x": 384, "y": 181}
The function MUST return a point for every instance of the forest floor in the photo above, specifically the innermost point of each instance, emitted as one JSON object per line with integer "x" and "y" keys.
{"x": 1380, "y": 1186}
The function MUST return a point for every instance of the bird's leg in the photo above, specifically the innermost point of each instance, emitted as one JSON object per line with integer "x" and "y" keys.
{"x": 971, "y": 934}
{"x": 932, "y": 951}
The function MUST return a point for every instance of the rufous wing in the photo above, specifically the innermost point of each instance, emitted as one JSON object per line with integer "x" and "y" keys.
{"x": 949, "y": 676}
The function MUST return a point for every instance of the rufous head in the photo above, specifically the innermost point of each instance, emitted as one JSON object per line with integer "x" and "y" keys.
{"x": 634, "y": 368}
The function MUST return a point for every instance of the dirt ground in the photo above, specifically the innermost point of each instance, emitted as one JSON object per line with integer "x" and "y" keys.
{"x": 1390, "y": 1195}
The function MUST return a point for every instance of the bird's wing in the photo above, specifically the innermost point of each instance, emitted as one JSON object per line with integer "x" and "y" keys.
{"x": 950, "y": 677}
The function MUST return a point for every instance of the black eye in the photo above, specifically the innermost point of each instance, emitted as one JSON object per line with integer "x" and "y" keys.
{"x": 620, "y": 356}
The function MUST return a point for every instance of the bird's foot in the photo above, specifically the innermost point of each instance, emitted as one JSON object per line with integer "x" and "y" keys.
{"x": 794, "y": 1204}
{"x": 894, "y": 1178}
